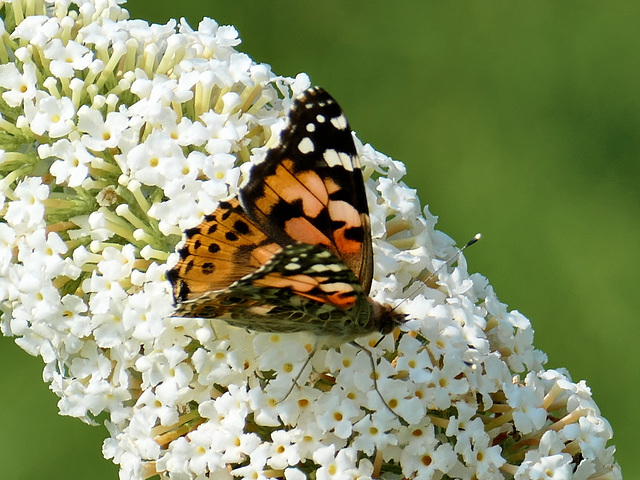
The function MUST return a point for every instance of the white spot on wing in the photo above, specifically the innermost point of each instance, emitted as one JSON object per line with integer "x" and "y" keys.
{"x": 339, "y": 122}
{"x": 311, "y": 127}
{"x": 331, "y": 267}
{"x": 332, "y": 158}
{"x": 346, "y": 161}
{"x": 320, "y": 118}
{"x": 335, "y": 158}
{"x": 306, "y": 145}
{"x": 336, "y": 287}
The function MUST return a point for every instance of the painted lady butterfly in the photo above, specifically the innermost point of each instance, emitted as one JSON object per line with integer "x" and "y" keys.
{"x": 292, "y": 252}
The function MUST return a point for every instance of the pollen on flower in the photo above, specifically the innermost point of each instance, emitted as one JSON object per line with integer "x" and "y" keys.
{"x": 118, "y": 136}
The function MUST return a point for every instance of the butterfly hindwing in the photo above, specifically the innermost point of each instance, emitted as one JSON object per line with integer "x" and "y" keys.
{"x": 302, "y": 288}
{"x": 310, "y": 187}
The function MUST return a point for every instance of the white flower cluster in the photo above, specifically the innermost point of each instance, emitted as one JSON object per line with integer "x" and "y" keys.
{"x": 116, "y": 136}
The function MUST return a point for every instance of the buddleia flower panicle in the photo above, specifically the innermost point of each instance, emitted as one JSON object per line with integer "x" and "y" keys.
{"x": 116, "y": 138}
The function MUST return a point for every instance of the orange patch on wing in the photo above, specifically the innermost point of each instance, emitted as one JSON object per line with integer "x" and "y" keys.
{"x": 304, "y": 231}
{"x": 342, "y": 211}
{"x": 340, "y": 301}
{"x": 341, "y": 295}
{"x": 298, "y": 283}
{"x": 312, "y": 181}
{"x": 331, "y": 186}
{"x": 290, "y": 189}
{"x": 266, "y": 203}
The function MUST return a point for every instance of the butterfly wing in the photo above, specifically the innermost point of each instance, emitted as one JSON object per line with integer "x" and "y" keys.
{"x": 310, "y": 187}
{"x": 225, "y": 247}
{"x": 301, "y": 288}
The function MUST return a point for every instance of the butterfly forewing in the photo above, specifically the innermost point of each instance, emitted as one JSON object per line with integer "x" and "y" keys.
{"x": 225, "y": 247}
{"x": 310, "y": 188}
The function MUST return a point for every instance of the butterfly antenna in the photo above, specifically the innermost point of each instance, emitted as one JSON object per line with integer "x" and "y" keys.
{"x": 447, "y": 263}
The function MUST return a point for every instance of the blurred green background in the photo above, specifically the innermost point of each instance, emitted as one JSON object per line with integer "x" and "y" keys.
{"x": 520, "y": 120}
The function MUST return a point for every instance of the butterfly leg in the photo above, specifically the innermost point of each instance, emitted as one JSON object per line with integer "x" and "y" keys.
{"x": 295, "y": 380}
{"x": 375, "y": 381}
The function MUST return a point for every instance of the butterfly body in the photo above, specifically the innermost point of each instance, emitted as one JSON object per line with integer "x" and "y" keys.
{"x": 292, "y": 252}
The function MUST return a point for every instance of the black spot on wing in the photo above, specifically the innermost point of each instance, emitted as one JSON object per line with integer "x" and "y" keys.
{"x": 172, "y": 275}
{"x": 355, "y": 233}
{"x": 208, "y": 268}
{"x": 191, "y": 232}
{"x": 241, "y": 227}
{"x": 231, "y": 236}
{"x": 184, "y": 291}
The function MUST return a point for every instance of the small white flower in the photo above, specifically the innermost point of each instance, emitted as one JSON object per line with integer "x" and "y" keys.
{"x": 72, "y": 166}
{"x": 555, "y": 467}
{"x": 20, "y": 86}
{"x": 414, "y": 359}
{"x": 373, "y": 432}
{"x": 526, "y": 402}
{"x": 255, "y": 469}
{"x": 27, "y": 210}
{"x": 156, "y": 161}
{"x": 284, "y": 449}
{"x": 153, "y": 406}
{"x": 337, "y": 415}
{"x": 444, "y": 384}
{"x": 424, "y": 455}
{"x": 37, "y": 29}
{"x": 101, "y": 133}
{"x": 334, "y": 466}
{"x": 66, "y": 59}
{"x": 205, "y": 458}
{"x": 50, "y": 115}
{"x": 142, "y": 318}
{"x": 7, "y": 242}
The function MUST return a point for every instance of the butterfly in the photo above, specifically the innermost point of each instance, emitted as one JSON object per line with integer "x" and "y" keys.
{"x": 292, "y": 251}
